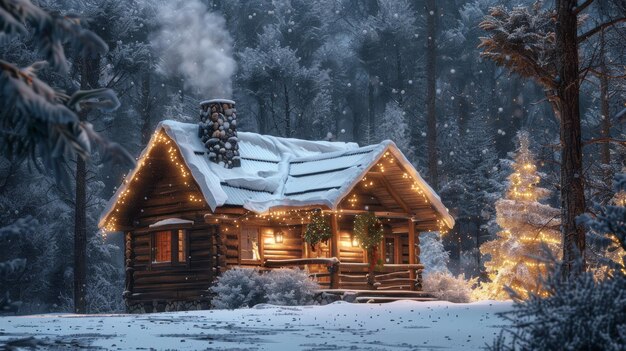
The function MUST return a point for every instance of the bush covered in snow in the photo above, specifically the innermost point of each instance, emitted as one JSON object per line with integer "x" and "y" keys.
{"x": 289, "y": 287}
{"x": 246, "y": 287}
{"x": 239, "y": 287}
{"x": 447, "y": 287}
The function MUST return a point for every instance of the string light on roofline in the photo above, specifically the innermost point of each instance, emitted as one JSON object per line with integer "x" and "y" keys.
{"x": 174, "y": 157}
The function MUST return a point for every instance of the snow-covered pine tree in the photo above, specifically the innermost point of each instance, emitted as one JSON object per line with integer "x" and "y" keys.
{"x": 395, "y": 128}
{"x": 473, "y": 183}
{"x": 580, "y": 313}
{"x": 433, "y": 255}
{"x": 608, "y": 233}
{"x": 36, "y": 106}
{"x": 527, "y": 225}
{"x": 12, "y": 269}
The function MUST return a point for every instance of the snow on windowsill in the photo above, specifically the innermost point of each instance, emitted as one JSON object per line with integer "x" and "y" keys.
{"x": 170, "y": 221}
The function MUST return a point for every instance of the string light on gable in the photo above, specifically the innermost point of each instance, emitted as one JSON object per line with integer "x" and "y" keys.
{"x": 385, "y": 164}
{"x": 160, "y": 139}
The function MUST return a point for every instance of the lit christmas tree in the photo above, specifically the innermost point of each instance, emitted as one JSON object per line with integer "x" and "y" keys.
{"x": 526, "y": 225}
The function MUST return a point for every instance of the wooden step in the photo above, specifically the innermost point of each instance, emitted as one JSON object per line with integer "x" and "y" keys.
{"x": 381, "y": 299}
{"x": 380, "y": 293}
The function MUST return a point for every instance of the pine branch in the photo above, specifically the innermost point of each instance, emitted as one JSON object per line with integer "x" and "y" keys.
{"x": 605, "y": 140}
{"x": 602, "y": 74}
{"x": 599, "y": 28}
{"x": 580, "y": 8}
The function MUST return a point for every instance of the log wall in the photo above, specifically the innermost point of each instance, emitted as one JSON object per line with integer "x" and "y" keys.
{"x": 168, "y": 195}
{"x": 348, "y": 253}
{"x": 290, "y": 248}
{"x": 183, "y": 281}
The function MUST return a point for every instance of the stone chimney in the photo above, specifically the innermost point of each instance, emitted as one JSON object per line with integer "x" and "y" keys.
{"x": 218, "y": 131}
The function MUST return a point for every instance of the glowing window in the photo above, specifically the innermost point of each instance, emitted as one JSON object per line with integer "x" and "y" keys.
{"x": 170, "y": 246}
{"x": 162, "y": 247}
{"x": 249, "y": 244}
{"x": 182, "y": 246}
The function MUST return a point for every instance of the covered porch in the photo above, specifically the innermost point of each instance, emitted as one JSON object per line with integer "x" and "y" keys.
{"x": 276, "y": 240}
{"x": 388, "y": 188}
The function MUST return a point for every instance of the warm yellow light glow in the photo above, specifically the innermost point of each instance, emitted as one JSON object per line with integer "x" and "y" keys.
{"x": 278, "y": 237}
{"x": 354, "y": 242}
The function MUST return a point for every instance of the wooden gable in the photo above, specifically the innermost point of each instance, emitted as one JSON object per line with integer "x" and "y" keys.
{"x": 389, "y": 189}
{"x": 160, "y": 188}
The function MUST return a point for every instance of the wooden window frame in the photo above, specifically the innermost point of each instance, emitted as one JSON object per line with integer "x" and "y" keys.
{"x": 259, "y": 231}
{"x": 173, "y": 263}
{"x": 397, "y": 249}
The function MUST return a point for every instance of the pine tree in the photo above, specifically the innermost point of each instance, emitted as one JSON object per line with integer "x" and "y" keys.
{"x": 433, "y": 255}
{"x": 395, "y": 128}
{"x": 527, "y": 226}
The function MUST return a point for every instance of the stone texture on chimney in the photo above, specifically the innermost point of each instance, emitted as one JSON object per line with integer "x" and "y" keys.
{"x": 218, "y": 131}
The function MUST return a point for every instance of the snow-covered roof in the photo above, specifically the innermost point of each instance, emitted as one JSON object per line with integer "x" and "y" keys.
{"x": 280, "y": 172}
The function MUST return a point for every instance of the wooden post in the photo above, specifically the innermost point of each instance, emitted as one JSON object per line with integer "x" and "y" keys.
{"x": 128, "y": 253}
{"x": 334, "y": 250}
{"x": 412, "y": 252}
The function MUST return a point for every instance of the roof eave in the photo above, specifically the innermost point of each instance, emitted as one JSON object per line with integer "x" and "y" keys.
{"x": 431, "y": 195}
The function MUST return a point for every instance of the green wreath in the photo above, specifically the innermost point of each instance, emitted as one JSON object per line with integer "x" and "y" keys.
{"x": 318, "y": 230}
{"x": 368, "y": 230}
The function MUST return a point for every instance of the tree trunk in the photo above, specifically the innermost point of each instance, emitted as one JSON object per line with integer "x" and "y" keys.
{"x": 146, "y": 108}
{"x": 572, "y": 191}
{"x": 370, "y": 111}
{"x": 89, "y": 76}
{"x": 287, "y": 114}
{"x": 431, "y": 80}
{"x": 80, "y": 238}
{"x": 464, "y": 111}
{"x": 262, "y": 115}
{"x": 605, "y": 153}
{"x": 399, "y": 77}
{"x": 517, "y": 113}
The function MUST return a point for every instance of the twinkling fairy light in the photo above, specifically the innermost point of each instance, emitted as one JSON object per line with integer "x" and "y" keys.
{"x": 527, "y": 227}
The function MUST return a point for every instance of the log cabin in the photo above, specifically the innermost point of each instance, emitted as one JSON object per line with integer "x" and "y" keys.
{"x": 204, "y": 198}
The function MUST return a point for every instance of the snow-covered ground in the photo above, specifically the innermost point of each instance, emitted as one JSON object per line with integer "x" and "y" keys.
{"x": 403, "y": 325}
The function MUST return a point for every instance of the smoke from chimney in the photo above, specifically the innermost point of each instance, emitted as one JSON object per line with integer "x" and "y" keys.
{"x": 195, "y": 44}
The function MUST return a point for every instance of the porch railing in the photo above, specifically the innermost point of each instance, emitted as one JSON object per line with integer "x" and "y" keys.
{"x": 327, "y": 276}
{"x": 343, "y": 275}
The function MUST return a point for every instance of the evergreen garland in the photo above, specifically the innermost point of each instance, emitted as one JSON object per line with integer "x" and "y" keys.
{"x": 368, "y": 230}
{"x": 318, "y": 230}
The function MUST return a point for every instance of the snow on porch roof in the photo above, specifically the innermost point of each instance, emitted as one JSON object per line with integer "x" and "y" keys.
{"x": 280, "y": 172}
